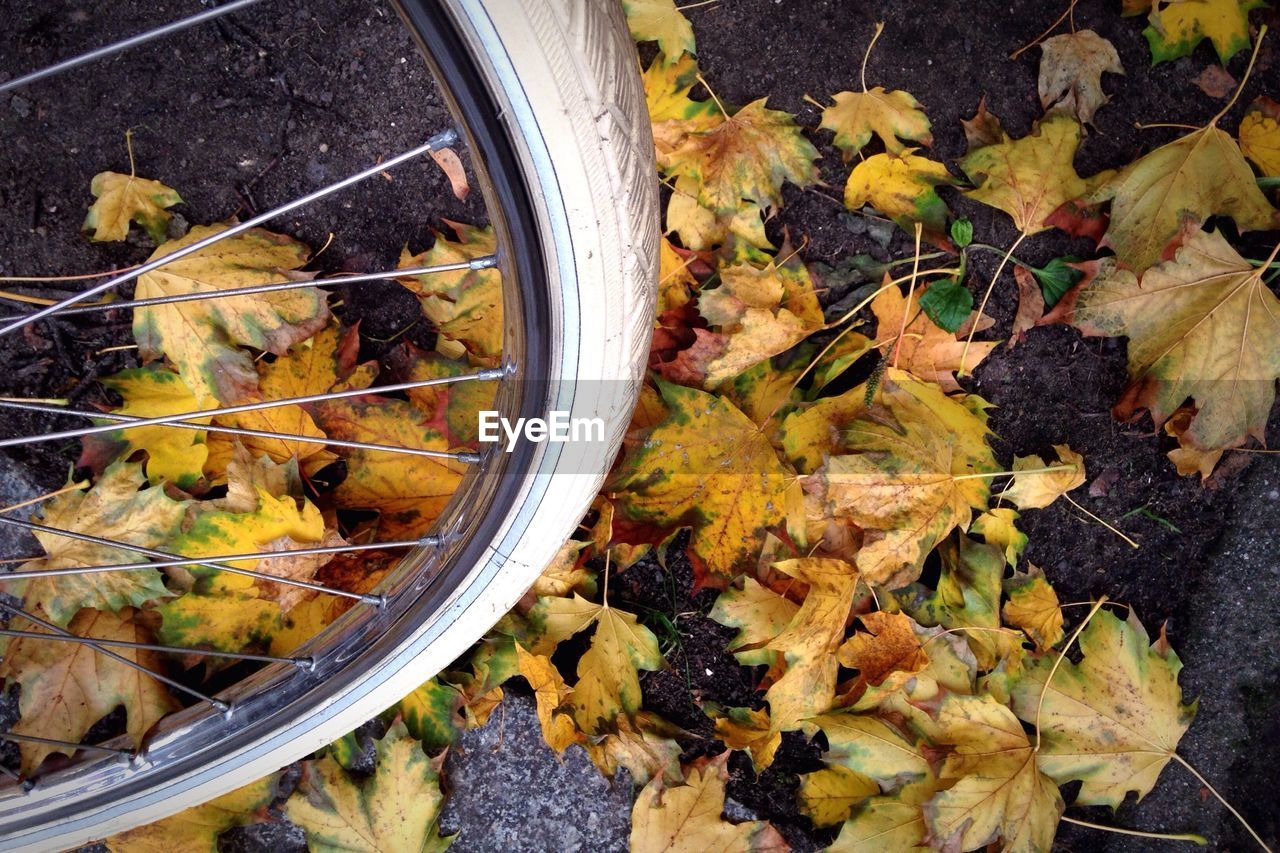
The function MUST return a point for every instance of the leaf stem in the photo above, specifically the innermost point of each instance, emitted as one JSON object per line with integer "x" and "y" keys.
{"x": 1164, "y": 836}
{"x": 1057, "y": 663}
{"x": 867, "y": 55}
{"x": 712, "y": 93}
{"x": 968, "y": 342}
{"x": 911, "y": 292}
{"x": 988, "y": 475}
{"x": 67, "y": 277}
{"x": 1072, "y": 501}
{"x": 69, "y": 487}
{"x": 128, "y": 144}
{"x": 1257, "y": 45}
{"x": 1035, "y": 41}
{"x": 1214, "y": 791}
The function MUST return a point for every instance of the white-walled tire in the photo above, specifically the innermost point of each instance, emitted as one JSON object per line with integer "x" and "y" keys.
{"x": 561, "y": 83}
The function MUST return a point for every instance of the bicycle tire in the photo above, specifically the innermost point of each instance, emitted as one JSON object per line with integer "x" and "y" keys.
{"x": 552, "y": 88}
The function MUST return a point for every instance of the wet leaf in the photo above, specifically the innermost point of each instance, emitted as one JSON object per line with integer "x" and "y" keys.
{"x": 121, "y": 199}
{"x": 1071, "y": 69}
{"x": 892, "y": 116}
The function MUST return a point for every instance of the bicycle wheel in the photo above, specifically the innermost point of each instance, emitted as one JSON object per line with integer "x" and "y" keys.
{"x": 548, "y": 99}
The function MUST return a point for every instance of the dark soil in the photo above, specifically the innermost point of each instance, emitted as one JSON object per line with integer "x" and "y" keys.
{"x": 247, "y": 113}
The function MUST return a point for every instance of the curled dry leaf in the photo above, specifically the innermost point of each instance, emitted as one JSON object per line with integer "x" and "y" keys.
{"x": 1071, "y": 69}
{"x": 465, "y": 305}
{"x": 1030, "y": 305}
{"x": 451, "y": 164}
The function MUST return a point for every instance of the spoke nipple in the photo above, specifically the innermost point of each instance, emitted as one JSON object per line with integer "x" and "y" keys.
{"x": 444, "y": 138}
{"x": 222, "y": 707}
{"x": 469, "y": 458}
{"x": 305, "y": 664}
{"x": 28, "y": 785}
{"x": 487, "y": 262}
{"x": 378, "y": 601}
{"x": 432, "y": 541}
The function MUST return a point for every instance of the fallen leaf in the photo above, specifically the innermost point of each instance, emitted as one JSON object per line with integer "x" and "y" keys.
{"x": 998, "y": 792}
{"x": 903, "y": 188}
{"x": 1030, "y": 305}
{"x": 759, "y": 613}
{"x": 67, "y": 687}
{"x": 1196, "y": 176}
{"x": 660, "y": 21}
{"x": 888, "y": 645}
{"x": 465, "y": 305}
{"x": 647, "y": 749}
{"x": 1033, "y": 607}
{"x": 983, "y": 129}
{"x": 1071, "y": 69}
{"x": 747, "y": 156}
{"x": 892, "y": 116}
{"x": 1177, "y": 26}
{"x": 673, "y": 114}
{"x": 1260, "y": 135}
{"x": 1033, "y": 488}
{"x": 828, "y": 796}
{"x": 451, "y": 164}
{"x": 922, "y": 348}
{"x": 1202, "y": 325}
{"x": 996, "y": 526}
{"x": 432, "y": 713}
{"x": 204, "y": 338}
{"x": 689, "y": 818}
{"x": 196, "y": 830}
{"x": 707, "y": 465}
{"x": 117, "y": 508}
{"x": 1031, "y": 177}
{"x": 397, "y": 808}
{"x": 888, "y": 824}
{"x": 1112, "y": 721}
{"x": 1215, "y": 81}
{"x": 967, "y": 596}
{"x": 948, "y": 303}
{"x": 121, "y": 199}
{"x": 873, "y": 748}
{"x": 551, "y": 695}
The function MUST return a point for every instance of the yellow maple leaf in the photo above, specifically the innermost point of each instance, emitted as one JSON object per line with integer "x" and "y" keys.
{"x": 872, "y": 748}
{"x": 466, "y": 305}
{"x": 923, "y": 349}
{"x": 116, "y": 507}
{"x": 707, "y": 465}
{"x": 1031, "y": 177}
{"x": 892, "y": 116}
{"x": 551, "y": 695}
{"x": 907, "y": 476}
{"x": 1260, "y": 135}
{"x": 998, "y": 791}
{"x": 689, "y": 818}
{"x": 196, "y": 830}
{"x": 67, "y": 687}
{"x": 121, "y": 199}
{"x": 1113, "y": 720}
{"x": 1177, "y": 26}
{"x": 1071, "y": 69}
{"x": 828, "y": 796}
{"x": 646, "y": 749}
{"x": 397, "y": 808}
{"x": 759, "y": 613}
{"x": 1196, "y": 176}
{"x": 1033, "y": 607}
{"x": 608, "y": 679}
{"x": 888, "y": 645}
{"x": 673, "y": 114}
{"x": 903, "y": 188}
{"x": 204, "y": 337}
{"x": 701, "y": 229}
{"x": 660, "y": 21}
{"x": 997, "y": 527}
{"x": 747, "y": 156}
{"x": 1202, "y": 325}
{"x": 1034, "y": 487}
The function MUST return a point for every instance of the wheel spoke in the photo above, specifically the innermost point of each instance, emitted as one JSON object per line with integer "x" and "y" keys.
{"x": 103, "y": 650}
{"x": 301, "y": 663}
{"x": 110, "y": 750}
{"x": 490, "y": 373}
{"x": 441, "y": 140}
{"x": 126, "y": 43}
{"x": 481, "y": 263}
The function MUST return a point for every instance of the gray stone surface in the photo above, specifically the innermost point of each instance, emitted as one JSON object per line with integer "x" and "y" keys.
{"x": 509, "y": 791}
{"x": 1228, "y": 648}
{"x": 16, "y": 486}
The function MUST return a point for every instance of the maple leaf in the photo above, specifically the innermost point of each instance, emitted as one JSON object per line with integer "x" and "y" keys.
{"x": 176, "y": 455}
{"x": 1112, "y": 721}
{"x": 828, "y": 796}
{"x": 67, "y": 687}
{"x": 465, "y": 305}
{"x": 707, "y": 465}
{"x": 660, "y": 21}
{"x": 905, "y": 476}
{"x": 396, "y": 808}
{"x": 121, "y": 199}
{"x": 114, "y": 508}
{"x": 1177, "y": 26}
{"x": 1071, "y": 69}
{"x": 1031, "y": 177}
{"x": 1033, "y": 607}
{"x": 689, "y": 817}
{"x": 432, "y": 713}
{"x": 889, "y": 823}
{"x": 1033, "y": 487}
{"x": 903, "y": 188}
{"x": 809, "y": 641}
{"x": 996, "y": 526}
{"x": 1196, "y": 176}
{"x": 759, "y": 613}
{"x": 888, "y": 645}
{"x": 922, "y": 348}
{"x": 673, "y": 114}
{"x": 759, "y": 313}
{"x": 608, "y": 678}
{"x": 999, "y": 792}
{"x": 203, "y": 337}
{"x": 1260, "y": 135}
{"x": 1202, "y": 325}
{"x": 873, "y": 748}
{"x": 747, "y": 156}
{"x": 646, "y": 749}
{"x": 409, "y": 492}
{"x": 701, "y": 229}
{"x": 197, "y": 829}
{"x": 551, "y": 694}
{"x": 892, "y": 116}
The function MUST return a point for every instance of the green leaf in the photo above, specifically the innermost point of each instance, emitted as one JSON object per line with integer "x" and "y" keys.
{"x": 948, "y": 303}
{"x": 1056, "y": 278}
{"x": 962, "y": 233}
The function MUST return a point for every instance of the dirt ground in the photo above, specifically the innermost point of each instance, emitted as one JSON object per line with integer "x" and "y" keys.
{"x": 244, "y": 114}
